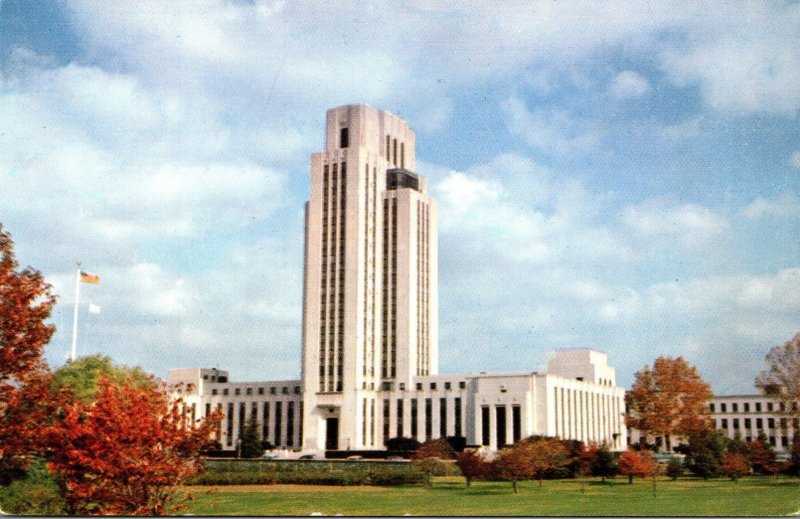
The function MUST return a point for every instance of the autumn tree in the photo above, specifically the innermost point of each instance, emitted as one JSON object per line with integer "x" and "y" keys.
{"x": 735, "y": 465}
{"x": 26, "y": 301}
{"x": 633, "y": 463}
{"x": 439, "y": 448}
{"x": 513, "y": 464}
{"x": 783, "y": 375}
{"x": 126, "y": 452}
{"x": 472, "y": 465}
{"x": 762, "y": 456}
{"x": 545, "y": 454}
{"x": 669, "y": 399}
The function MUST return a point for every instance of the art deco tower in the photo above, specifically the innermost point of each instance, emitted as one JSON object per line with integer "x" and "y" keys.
{"x": 370, "y": 308}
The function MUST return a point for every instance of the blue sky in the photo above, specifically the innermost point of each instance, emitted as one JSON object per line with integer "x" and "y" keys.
{"x": 623, "y": 176}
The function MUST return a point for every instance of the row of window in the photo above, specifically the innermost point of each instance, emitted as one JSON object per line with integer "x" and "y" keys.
{"x": 757, "y": 407}
{"x": 275, "y": 427}
{"x": 427, "y": 433}
{"x": 722, "y": 423}
{"x": 261, "y": 391}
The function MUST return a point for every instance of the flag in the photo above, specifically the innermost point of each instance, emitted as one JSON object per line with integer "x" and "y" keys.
{"x": 94, "y": 309}
{"x": 88, "y": 277}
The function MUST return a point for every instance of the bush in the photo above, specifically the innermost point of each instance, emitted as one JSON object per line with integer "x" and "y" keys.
{"x": 394, "y": 477}
{"x": 36, "y": 494}
{"x": 674, "y": 468}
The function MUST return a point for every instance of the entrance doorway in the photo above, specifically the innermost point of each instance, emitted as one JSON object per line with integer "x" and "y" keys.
{"x": 332, "y": 434}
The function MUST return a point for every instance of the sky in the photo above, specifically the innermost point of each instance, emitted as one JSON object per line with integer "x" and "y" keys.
{"x": 620, "y": 176}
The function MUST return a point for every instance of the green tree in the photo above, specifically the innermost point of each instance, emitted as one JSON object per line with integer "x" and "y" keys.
{"x": 674, "y": 468}
{"x": 794, "y": 467}
{"x": 251, "y": 446}
{"x": 604, "y": 465}
{"x": 81, "y": 376}
{"x": 704, "y": 453}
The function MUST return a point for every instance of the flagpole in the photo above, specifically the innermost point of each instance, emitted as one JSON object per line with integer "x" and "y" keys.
{"x": 75, "y": 313}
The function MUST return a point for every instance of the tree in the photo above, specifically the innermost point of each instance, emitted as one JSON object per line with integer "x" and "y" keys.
{"x": 81, "y": 376}
{"x": 794, "y": 460}
{"x": 735, "y": 465}
{"x": 472, "y": 465}
{"x": 762, "y": 456}
{"x": 704, "y": 453}
{"x": 513, "y": 464}
{"x": 26, "y": 301}
{"x": 545, "y": 454}
{"x": 126, "y": 452}
{"x": 439, "y": 448}
{"x": 604, "y": 465}
{"x": 251, "y": 439}
{"x": 633, "y": 463}
{"x": 783, "y": 374}
{"x": 674, "y": 468}
{"x": 670, "y": 399}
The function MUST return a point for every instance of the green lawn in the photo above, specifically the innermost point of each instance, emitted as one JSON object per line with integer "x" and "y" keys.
{"x": 449, "y": 496}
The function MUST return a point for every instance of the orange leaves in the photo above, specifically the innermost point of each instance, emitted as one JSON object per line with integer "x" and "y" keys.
{"x": 633, "y": 463}
{"x": 124, "y": 453}
{"x": 669, "y": 399}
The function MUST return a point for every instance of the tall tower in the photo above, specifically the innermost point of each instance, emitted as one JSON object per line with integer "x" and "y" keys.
{"x": 370, "y": 312}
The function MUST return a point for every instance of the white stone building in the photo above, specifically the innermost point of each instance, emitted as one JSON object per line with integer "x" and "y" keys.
{"x": 370, "y": 325}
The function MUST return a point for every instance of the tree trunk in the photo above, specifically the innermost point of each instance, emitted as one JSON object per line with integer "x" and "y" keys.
{"x": 514, "y": 484}
{"x": 469, "y": 481}
{"x": 630, "y": 479}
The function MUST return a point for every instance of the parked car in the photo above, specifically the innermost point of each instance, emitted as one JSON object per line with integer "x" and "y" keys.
{"x": 270, "y": 456}
{"x": 307, "y": 457}
{"x": 355, "y": 457}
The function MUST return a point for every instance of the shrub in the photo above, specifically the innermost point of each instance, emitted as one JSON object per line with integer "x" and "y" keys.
{"x": 394, "y": 477}
{"x": 735, "y": 465}
{"x": 36, "y": 494}
{"x": 674, "y": 468}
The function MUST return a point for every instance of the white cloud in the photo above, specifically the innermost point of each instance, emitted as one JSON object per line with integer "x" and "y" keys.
{"x": 785, "y": 205}
{"x": 690, "y": 224}
{"x": 689, "y": 129}
{"x": 554, "y": 131}
{"x": 795, "y": 159}
{"x": 629, "y": 84}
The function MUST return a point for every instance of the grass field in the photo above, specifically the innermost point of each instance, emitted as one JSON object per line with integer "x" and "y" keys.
{"x": 449, "y": 496}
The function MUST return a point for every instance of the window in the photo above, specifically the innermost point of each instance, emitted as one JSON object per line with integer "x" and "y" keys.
{"x": 433, "y": 386}
{"x": 747, "y": 423}
{"x": 457, "y": 416}
{"x": 485, "y": 425}
{"x": 419, "y": 386}
{"x": 296, "y": 390}
{"x": 747, "y": 407}
{"x": 272, "y": 391}
{"x": 769, "y": 407}
{"x": 723, "y": 408}
{"x": 735, "y": 423}
{"x": 344, "y": 138}
{"x": 771, "y": 423}
{"x": 759, "y": 423}
{"x": 225, "y": 392}
{"x": 462, "y": 385}
{"x": 261, "y": 391}
{"x": 213, "y": 392}
{"x": 724, "y": 423}
{"x": 758, "y": 407}
{"x": 711, "y": 407}
{"x": 447, "y": 385}
{"x": 442, "y": 417}
{"x": 735, "y": 407}
{"x": 237, "y": 391}
{"x": 249, "y": 391}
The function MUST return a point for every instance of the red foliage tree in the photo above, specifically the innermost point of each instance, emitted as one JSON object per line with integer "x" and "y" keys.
{"x": 472, "y": 465}
{"x": 762, "y": 456}
{"x": 126, "y": 452}
{"x": 670, "y": 399}
{"x": 26, "y": 301}
{"x": 513, "y": 464}
{"x": 633, "y": 463}
{"x": 438, "y": 448}
{"x": 735, "y": 465}
{"x": 545, "y": 454}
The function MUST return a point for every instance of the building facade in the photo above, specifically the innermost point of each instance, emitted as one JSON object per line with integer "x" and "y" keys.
{"x": 370, "y": 324}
